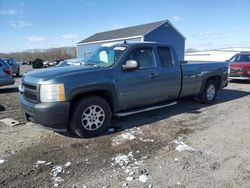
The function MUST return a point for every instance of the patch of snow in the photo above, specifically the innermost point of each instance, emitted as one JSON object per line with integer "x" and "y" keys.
{"x": 120, "y": 139}
{"x": 146, "y": 140}
{"x": 9, "y": 122}
{"x": 49, "y": 163}
{"x": 129, "y": 178}
{"x": 29, "y": 123}
{"x": 121, "y": 159}
{"x": 40, "y": 162}
{"x": 125, "y": 185}
{"x": 131, "y": 173}
{"x": 2, "y": 161}
{"x": 181, "y": 146}
{"x": 143, "y": 178}
{"x": 57, "y": 181}
{"x": 135, "y": 130}
{"x": 67, "y": 164}
{"x": 127, "y": 163}
{"x": 56, "y": 171}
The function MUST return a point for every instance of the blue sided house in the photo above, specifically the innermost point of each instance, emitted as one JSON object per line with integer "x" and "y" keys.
{"x": 162, "y": 31}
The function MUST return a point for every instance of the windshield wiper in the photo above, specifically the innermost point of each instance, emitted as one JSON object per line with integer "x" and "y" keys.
{"x": 91, "y": 64}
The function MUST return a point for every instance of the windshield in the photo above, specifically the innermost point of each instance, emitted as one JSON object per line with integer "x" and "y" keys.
{"x": 241, "y": 58}
{"x": 105, "y": 56}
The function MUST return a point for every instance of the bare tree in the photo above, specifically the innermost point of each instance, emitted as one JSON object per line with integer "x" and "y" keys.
{"x": 52, "y": 54}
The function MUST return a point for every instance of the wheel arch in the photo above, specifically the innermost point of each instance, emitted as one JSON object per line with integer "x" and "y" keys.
{"x": 216, "y": 78}
{"x": 105, "y": 94}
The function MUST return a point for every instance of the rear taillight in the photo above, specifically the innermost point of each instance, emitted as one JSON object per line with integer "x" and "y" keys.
{"x": 8, "y": 71}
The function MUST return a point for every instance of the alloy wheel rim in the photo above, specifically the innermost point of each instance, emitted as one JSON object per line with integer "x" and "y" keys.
{"x": 211, "y": 90}
{"x": 93, "y": 117}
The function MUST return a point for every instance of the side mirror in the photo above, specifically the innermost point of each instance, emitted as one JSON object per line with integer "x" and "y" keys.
{"x": 130, "y": 65}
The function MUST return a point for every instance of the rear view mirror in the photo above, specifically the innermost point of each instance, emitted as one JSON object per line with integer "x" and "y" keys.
{"x": 130, "y": 65}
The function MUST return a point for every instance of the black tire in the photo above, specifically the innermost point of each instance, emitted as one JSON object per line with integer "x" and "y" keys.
{"x": 87, "y": 117}
{"x": 209, "y": 93}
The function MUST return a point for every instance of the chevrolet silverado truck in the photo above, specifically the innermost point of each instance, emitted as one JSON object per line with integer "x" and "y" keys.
{"x": 118, "y": 80}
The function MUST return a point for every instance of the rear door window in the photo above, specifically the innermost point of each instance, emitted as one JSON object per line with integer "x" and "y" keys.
{"x": 165, "y": 57}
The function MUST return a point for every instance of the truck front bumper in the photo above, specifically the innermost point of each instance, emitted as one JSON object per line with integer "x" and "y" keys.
{"x": 54, "y": 116}
{"x": 239, "y": 78}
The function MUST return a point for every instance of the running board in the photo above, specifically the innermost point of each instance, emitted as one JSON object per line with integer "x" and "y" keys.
{"x": 122, "y": 114}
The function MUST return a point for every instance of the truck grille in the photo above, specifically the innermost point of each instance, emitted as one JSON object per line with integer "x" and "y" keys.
{"x": 235, "y": 70}
{"x": 30, "y": 92}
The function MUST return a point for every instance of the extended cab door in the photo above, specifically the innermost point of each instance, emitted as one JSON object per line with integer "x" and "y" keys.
{"x": 169, "y": 73}
{"x": 141, "y": 86}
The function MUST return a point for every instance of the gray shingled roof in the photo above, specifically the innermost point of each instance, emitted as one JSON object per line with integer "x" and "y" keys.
{"x": 124, "y": 32}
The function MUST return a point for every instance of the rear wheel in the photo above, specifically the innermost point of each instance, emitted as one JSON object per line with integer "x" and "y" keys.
{"x": 90, "y": 117}
{"x": 210, "y": 92}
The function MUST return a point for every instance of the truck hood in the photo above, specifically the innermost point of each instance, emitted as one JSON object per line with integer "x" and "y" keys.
{"x": 50, "y": 74}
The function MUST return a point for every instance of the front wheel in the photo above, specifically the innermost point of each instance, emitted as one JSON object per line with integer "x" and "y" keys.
{"x": 90, "y": 117}
{"x": 210, "y": 92}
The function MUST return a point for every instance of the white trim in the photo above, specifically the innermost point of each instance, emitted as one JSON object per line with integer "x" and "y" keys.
{"x": 110, "y": 40}
{"x": 239, "y": 78}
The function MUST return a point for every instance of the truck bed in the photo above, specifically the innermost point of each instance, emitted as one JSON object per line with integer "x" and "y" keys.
{"x": 195, "y": 72}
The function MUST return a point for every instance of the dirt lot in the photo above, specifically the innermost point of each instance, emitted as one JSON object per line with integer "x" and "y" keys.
{"x": 187, "y": 145}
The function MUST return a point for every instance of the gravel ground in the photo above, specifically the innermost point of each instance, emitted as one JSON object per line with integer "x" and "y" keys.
{"x": 187, "y": 145}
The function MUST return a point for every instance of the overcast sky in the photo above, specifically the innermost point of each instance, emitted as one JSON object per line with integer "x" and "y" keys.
{"x": 207, "y": 24}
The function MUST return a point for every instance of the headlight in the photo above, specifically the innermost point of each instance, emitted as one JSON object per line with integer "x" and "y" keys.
{"x": 20, "y": 87}
{"x": 52, "y": 93}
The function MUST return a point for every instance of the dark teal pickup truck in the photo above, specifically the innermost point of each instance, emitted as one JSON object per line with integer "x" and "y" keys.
{"x": 118, "y": 80}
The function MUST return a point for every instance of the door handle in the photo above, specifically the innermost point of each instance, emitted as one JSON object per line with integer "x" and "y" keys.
{"x": 153, "y": 75}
